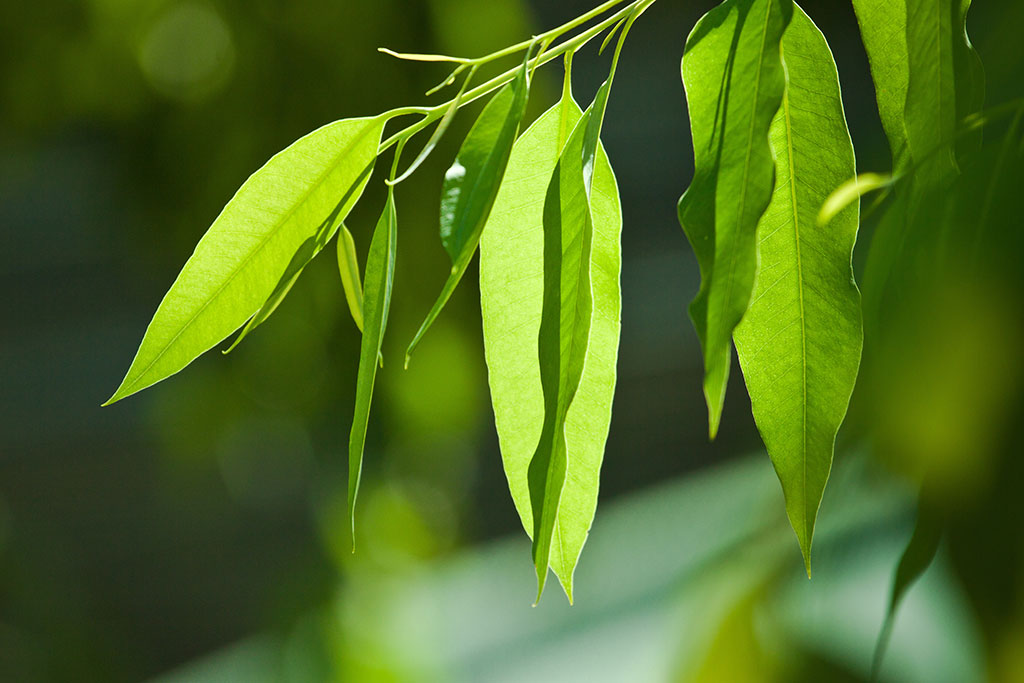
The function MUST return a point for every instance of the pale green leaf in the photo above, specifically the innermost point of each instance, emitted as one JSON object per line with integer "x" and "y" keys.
{"x": 512, "y": 299}
{"x": 800, "y": 342}
{"x": 851, "y": 191}
{"x": 734, "y": 83}
{"x": 380, "y": 273}
{"x": 240, "y": 261}
{"x": 472, "y": 183}
{"x": 348, "y": 267}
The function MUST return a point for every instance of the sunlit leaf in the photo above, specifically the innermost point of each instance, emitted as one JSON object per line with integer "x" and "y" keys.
{"x": 348, "y": 267}
{"x": 851, "y": 191}
{"x": 800, "y": 342}
{"x": 512, "y": 299}
{"x": 243, "y": 258}
{"x": 883, "y": 28}
{"x": 734, "y": 83}
{"x": 471, "y": 185}
{"x": 380, "y": 272}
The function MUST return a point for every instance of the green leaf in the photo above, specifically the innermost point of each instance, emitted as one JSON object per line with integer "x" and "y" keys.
{"x": 512, "y": 299}
{"x": 883, "y": 29}
{"x": 800, "y": 342}
{"x": 471, "y": 185}
{"x": 380, "y": 273}
{"x": 309, "y": 249}
{"x": 734, "y": 83}
{"x": 242, "y": 260}
{"x": 348, "y": 266}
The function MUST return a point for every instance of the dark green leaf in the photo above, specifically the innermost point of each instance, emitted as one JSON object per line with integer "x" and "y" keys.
{"x": 472, "y": 183}
{"x": 512, "y": 300}
{"x": 800, "y": 342}
{"x": 243, "y": 258}
{"x": 734, "y": 83}
{"x": 380, "y": 272}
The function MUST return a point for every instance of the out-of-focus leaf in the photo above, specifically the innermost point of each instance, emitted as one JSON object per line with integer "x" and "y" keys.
{"x": 243, "y": 258}
{"x": 380, "y": 272}
{"x": 917, "y": 557}
{"x": 800, "y": 342}
{"x": 512, "y": 299}
{"x": 348, "y": 267}
{"x": 734, "y": 83}
{"x": 472, "y": 183}
{"x": 566, "y": 319}
{"x": 883, "y": 28}
{"x": 849, "y": 192}
{"x": 945, "y": 83}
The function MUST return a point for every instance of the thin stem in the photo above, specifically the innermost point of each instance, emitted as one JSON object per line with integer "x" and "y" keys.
{"x": 431, "y": 114}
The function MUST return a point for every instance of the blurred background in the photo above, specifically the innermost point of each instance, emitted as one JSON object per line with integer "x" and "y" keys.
{"x": 197, "y": 532}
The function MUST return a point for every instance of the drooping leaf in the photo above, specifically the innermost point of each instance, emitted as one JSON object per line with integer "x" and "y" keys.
{"x": 348, "y": 266}
{"x": 240, "y": 261}
{"x": 883, "y": 29}
{"x": 734, "y": 83}
{"x": 917, "y": 557}
{"x": 309, "y": 249}
{"x": 472, "y": 183}
{"x": 799, "y": 344}
{"x": 512, "y": 299}
{"x": 566, "y": 320}
{"x": 380, "y": 273}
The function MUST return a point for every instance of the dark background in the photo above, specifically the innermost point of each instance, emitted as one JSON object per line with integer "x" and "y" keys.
{"x": 138, "y": 537}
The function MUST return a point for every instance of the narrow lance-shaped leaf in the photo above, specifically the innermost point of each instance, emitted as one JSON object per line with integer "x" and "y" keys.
{"x": 883, "y": 29}
{"x": 348, "y": 267}
{"x": 799, "y": 344}
{"x": 472, "y": 183}
{"x": 566, "y": 318}
{"x": 380, "y": 272}
{"x": 241, "y": 260}
{"x": 512, "y": 299}
{"x": 734, "y": 83}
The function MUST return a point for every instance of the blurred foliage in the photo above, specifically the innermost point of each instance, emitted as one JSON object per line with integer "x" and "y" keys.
{"x": 201, "y": 527}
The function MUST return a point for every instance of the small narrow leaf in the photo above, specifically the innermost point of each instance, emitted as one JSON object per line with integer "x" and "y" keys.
{"x": 734, "y": 83}
{"x": 851, "y": 191}
{"x": 380, "y": 273}
{"x": 309, "y": 249}
{"x": 512, "y": 299}
{"x": 348, "y": 267}
{"x": 799, "y": 344}
{"x": 471, "y": 185}
{"x": 241, "y": 261}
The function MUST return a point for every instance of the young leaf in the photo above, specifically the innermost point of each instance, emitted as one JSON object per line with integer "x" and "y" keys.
{"x": 799, "y": 344}
{"x": 471, "y": 185}
{"x": 512, "y": 299}
{"x": 348, "y": 266}
{"x": 309, "y": 249}
{"x": 883, "y": 29}
{"x": 734, "y": 83}
{"x": 380, "y": 273}
{"x": 240, "y": 261}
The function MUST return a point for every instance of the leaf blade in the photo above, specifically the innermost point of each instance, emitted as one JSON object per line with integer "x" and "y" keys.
{"x": 799, "y": 344}
{"x": 348, "y": 267}
{"x": 380, "y": 272}
{"x": 471, "y": 186}
{"x": 734, "y": 83}
{"x": 238, "y": 263}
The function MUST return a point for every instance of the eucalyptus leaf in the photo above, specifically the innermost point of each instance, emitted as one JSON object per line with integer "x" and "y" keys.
{"x": 734, "y": 83}
{"x": 471, "y": 185}
{"x": 348, "y": 267}
{"x": 799, "y": 344}
{"x": 512, "y": 299}
{"x": 883, "y": 29}
{"x": 380, "y": 273}
{"x": 243, "y": 258}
